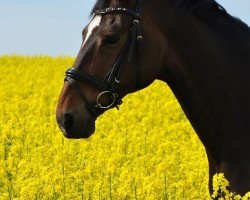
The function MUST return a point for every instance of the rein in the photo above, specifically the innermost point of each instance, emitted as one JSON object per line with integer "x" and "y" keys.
{"x": 110, "y": 84}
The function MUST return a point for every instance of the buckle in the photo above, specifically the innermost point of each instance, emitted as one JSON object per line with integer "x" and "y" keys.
{"x": 113, "y": 96}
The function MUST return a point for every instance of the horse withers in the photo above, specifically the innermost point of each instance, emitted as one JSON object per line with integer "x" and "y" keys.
{"x": 195, "y": 46}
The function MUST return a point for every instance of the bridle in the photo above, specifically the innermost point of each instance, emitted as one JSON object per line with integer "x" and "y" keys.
{"x": 110, "y": 84}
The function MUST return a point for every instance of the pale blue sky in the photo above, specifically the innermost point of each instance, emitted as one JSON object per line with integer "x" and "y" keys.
{"x": 54, "y": 26}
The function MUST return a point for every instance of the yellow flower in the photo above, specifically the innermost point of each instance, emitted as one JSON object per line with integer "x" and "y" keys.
{"x": 149, "y": 151}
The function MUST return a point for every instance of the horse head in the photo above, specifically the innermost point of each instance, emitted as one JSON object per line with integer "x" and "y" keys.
{"x": 119, "y": 55}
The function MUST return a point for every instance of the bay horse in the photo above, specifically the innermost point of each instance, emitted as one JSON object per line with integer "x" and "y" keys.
{"x": 195, "y": 46}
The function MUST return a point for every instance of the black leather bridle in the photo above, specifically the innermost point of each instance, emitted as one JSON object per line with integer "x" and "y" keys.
{"x": 110, "y": 84}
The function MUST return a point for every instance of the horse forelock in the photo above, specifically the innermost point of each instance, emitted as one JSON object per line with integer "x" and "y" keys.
{"x": 100, "y": 4}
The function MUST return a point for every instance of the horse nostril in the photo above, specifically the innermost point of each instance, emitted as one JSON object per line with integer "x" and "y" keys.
{"x": 68, "y": 121}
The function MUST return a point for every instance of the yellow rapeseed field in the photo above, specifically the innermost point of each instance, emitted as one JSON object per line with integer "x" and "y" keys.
{"x": 147, "y": 150}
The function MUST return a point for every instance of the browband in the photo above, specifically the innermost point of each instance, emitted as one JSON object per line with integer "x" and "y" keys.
{"x": 114, "y": 10}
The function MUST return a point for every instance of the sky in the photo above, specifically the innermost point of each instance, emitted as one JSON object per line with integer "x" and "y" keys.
{"x": 53, "y": 27}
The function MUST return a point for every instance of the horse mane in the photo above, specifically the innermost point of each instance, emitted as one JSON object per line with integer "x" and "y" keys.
{"x": 211, "y": 12}
{"x": 197, "y": 5}
{"x": 207, "y": 10}
{"x": 189, "y": 5}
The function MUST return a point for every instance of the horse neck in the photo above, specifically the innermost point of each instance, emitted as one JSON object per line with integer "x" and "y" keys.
{"x": 199, "y": 67}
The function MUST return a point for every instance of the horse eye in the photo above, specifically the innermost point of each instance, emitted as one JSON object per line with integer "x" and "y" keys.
{"x": 110, "y": 40}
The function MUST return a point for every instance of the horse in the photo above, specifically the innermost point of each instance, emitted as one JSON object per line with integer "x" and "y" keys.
{"x": 195, "y": 46}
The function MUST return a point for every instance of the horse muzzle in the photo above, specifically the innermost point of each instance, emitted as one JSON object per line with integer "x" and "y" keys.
{"x": 75, "y": 126}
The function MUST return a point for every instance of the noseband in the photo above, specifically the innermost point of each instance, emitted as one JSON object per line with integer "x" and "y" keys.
{"x": 110, "y": 84}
